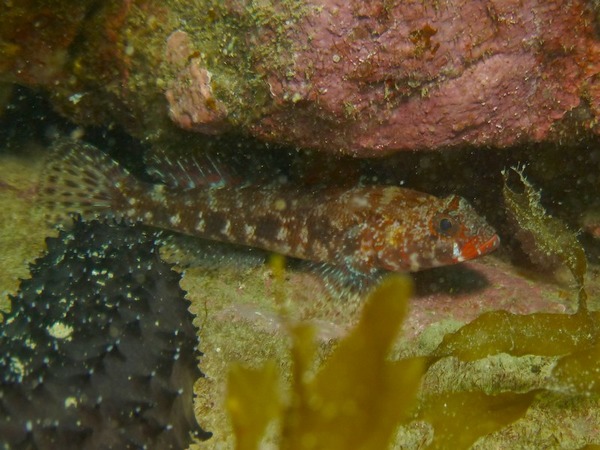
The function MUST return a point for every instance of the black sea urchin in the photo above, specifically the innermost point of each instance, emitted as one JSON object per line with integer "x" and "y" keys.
{"x": 99, "y": 350}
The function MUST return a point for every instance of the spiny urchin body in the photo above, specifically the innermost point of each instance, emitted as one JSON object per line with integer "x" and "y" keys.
{"x": 99, "y": 350}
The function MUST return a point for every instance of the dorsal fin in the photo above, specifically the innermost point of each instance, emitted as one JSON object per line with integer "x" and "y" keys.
{"x": 189, "y": 171}
{"x": 225, "y": 163}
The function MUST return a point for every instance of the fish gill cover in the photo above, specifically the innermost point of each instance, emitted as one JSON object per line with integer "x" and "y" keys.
{"x": 99, "y": 350}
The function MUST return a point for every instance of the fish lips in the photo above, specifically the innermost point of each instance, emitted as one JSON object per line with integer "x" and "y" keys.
{"x": 475, "y": 247}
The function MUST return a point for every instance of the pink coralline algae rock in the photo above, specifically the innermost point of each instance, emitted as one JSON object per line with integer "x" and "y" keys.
{"x": 370, "y": 78}
{"x": 192, "y": 104}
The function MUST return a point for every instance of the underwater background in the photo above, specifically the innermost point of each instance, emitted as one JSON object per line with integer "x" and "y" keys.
{"x": 117, "y": 336}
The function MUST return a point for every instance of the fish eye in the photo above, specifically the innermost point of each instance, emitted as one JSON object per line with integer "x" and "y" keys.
{"x": 445, "y": 225}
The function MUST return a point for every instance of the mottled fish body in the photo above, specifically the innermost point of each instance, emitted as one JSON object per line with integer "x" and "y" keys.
{"x": 359, "y": 230}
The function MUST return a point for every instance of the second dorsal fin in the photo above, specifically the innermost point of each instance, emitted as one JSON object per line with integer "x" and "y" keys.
{"x": 189, "y": 171}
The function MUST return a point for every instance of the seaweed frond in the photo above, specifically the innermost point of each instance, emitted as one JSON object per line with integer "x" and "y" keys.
{"x": 356, "y": 399}
{"x": 544, "y": 237}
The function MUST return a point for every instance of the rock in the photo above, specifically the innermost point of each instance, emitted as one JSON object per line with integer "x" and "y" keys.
{"x": 361, "y": 79}
{"x": 412, "y": 75}
{"x": 192, "y": 103}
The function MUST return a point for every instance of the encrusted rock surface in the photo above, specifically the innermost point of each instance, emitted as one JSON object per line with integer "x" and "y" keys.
{"x": 361, "y": 78}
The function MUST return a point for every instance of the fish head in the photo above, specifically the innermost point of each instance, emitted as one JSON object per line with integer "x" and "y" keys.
{"x": 435, "y": 232}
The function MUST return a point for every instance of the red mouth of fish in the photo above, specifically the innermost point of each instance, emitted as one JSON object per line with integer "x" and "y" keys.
{"x": 474, "y": 248}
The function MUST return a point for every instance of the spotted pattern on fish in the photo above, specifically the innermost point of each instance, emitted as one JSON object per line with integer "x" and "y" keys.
{"x": 360, "y": 229}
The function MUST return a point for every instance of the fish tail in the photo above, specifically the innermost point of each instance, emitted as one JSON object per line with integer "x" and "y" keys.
{"x": 79, "y": 179}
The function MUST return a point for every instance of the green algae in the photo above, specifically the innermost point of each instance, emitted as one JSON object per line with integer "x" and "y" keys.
{"x": 22, "y": 227}
{"x": 544, "y": 237}
{"x": 241, "y": 45}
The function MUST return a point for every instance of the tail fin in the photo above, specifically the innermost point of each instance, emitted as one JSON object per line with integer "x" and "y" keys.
{"x": 81, "y": 180}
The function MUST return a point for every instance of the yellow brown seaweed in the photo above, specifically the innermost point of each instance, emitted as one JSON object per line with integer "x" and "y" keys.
{"x": 359, "y": 389}
{"x": 252, "y": 402}
{"x": 460, "y": 418}
{"x": 542, "y": 334}
{"x": 579, "y": 372}
{"x": 357, "y": 398}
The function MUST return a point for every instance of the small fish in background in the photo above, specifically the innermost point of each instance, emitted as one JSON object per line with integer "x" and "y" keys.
{"x": 353, "y": 232}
